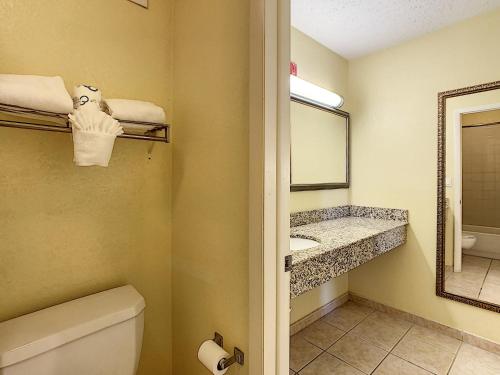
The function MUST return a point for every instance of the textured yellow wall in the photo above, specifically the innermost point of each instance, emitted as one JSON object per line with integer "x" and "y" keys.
{"x": 318, "y": 297}
{"x": 67, "y": 231}
{"x": 394, "y": 102}
{"x": 210, "y": 189}
{"x": 319, "y": 65}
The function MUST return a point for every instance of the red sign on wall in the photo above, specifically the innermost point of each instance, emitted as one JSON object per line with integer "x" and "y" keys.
{"x": 293, "y": 68}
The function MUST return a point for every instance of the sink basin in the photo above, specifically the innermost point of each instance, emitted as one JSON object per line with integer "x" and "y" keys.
{"x": 297, "y": 244}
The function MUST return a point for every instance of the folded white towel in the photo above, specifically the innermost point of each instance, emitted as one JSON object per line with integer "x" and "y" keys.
{"x": 135, "y": 110}
{"x": 36, "y": 92}
{"x": 94, "y": 134}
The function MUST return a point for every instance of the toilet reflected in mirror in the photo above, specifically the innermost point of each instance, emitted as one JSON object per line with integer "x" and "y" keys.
{"x": 472, "y": 188}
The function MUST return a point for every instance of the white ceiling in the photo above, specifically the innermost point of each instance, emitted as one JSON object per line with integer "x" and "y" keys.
{"x": 353, "y": 28}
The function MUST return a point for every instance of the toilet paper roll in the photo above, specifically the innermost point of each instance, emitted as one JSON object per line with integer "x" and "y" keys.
{"x": 210, "y": 354}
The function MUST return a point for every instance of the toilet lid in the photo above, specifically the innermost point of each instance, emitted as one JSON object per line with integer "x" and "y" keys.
{"x": 30, "y": 335}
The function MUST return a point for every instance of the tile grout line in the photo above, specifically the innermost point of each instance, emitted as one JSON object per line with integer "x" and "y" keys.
{"x": 308, "y": 363}
{"x": 310, "y": 342}
{"x": 350, "y": 329}
{"x": 323, "y": 351}
{"x": 409, "y": 317}
{"x": 402, "y": 337}
{"x": 455, "y": 357}
{"x": 347, "y": 363}
{"x": 360, "y": 338}
{"x": 414, "y": 364}
{"x": 312, "y": 360}
{"x": 387, "y": 352}
{"x": 485, "y": 276}
{"x": 383, "y": 359}
{"x": 362, "y": 320}
{"x": 396, "y": 344}
{"x": 345, "y": 333}
{"x": 404, "y": 359}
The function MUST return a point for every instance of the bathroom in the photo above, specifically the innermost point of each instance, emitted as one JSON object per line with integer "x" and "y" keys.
{"x": 379, "y": 314}
{"x": 183, "y": 238}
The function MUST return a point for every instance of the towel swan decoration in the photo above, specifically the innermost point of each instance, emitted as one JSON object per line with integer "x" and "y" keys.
{"x": 94, "y": 132}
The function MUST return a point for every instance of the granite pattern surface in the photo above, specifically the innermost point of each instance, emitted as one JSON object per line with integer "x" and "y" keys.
{"x": 315, "y": 216}
{"x": 345, "y": 241}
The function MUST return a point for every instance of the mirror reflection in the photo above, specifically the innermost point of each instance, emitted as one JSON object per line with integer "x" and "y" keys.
{"x": 472, "y": 254}
{"x": 319, "y": 147}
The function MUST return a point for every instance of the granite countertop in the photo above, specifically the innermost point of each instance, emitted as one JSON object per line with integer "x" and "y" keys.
{"x": 338, "y": 233}
{"x": 348, "y": 235}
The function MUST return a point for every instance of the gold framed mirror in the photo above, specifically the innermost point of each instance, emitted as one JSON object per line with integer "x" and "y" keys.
{"x": 468, "y": 199}
{"x": 319, "y": 157}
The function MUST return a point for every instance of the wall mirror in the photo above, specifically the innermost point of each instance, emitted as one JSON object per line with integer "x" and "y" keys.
{"x": 319, "y": 147}
{"x": 468, "y": 254}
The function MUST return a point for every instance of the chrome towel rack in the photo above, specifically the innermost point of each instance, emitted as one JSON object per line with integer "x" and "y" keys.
{"x": 33, "y": 119}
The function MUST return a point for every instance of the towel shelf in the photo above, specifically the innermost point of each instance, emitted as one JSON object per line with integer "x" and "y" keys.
{"x": 59, "y": 122}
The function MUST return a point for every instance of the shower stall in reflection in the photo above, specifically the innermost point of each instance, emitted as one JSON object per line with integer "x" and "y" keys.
{"x": 481, "y": 183}
{"x": 473, "y": 193}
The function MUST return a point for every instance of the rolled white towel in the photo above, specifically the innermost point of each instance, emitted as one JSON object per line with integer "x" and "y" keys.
{"x": 35, "y": 92}
{"x": 135, "y": 110}
{"x": 86, "y": 95}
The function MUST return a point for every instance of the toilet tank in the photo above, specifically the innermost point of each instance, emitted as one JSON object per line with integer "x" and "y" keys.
{"x": 100, "y": 334}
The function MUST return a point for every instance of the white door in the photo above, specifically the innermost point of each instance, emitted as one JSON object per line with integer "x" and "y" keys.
{"x": 269, "y": 187}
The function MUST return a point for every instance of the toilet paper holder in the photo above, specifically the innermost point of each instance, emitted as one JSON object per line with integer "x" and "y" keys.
{"x": 238, "y": 357}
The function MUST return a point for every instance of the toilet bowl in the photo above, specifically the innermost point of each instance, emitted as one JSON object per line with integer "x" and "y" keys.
{"x": 468, "y": 241}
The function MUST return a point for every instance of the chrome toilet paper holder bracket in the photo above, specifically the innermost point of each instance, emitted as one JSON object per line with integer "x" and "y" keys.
{"x": 238, "y": 356}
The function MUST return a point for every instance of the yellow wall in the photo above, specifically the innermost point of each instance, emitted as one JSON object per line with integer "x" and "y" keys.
{"x": 318, "y": 65}
{"x": 67, "y": 231}
{"x": 210, "y": 187}
{"x": 394, "y": 101}
{"x": 312, "y": 300}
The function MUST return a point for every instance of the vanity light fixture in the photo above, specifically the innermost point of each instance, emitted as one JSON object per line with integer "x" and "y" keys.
{"x": 310, "y": 92}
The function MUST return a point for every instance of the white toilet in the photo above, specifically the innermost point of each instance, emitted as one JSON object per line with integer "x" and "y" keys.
{"x": 98, "y": 334}
{"x": 468, "y": 241}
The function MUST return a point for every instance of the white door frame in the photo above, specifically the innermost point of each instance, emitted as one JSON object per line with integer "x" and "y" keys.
{"x": 269, "y": 187}
{"x": 457, "y": 176}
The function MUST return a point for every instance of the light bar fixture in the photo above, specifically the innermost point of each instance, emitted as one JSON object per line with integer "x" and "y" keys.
{"x": 308, "y": 91}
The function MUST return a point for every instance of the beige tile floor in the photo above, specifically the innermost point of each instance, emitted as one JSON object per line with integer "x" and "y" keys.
{"x": 479, "y": 279}
{"x": 355, "y": 340}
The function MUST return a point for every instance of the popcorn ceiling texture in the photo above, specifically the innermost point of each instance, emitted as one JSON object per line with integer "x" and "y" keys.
{"x": 375, "y": 25}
